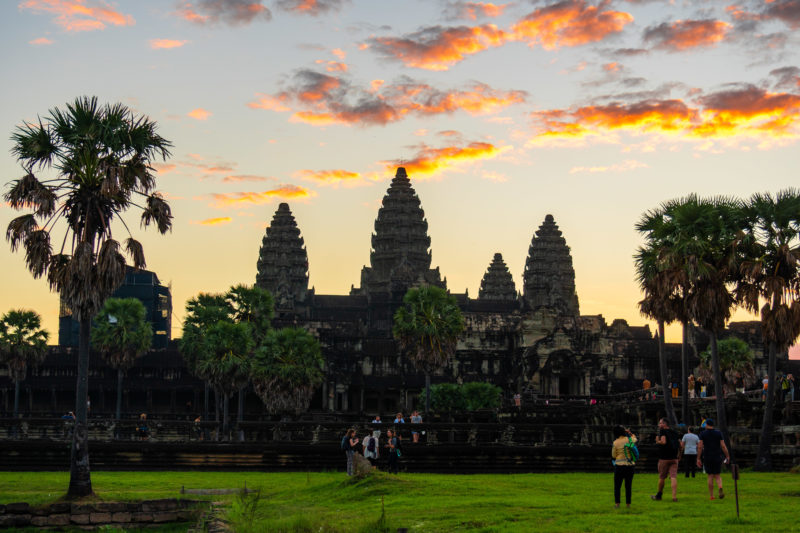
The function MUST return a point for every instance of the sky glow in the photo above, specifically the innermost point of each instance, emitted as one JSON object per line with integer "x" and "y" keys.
{"x": 593, "y": 112}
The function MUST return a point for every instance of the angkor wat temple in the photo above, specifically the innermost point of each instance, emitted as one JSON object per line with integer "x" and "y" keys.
{"x": 534, "y": 342}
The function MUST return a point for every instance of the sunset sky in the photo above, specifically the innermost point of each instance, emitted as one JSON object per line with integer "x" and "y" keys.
{"x": 593, "y": 112}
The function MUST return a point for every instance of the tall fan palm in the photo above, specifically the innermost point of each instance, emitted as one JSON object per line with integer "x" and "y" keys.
{"x": 287, "y": 369}
{"x": 122, "y": 333}
{"x": 771, "y": 275}
{"x": 22, "y": 343}
{"x": 427, "y": 327}
{"x": 101, "y": 156}
{"x": 658, "y": 302}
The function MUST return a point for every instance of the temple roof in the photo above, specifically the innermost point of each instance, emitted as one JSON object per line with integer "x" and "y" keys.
{"x": 549, "y": 279}
{"x": 283, "y": 261}
{"x": 497, "y": 283}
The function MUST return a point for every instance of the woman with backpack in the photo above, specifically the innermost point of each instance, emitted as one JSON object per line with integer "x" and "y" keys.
{"x": 624, "y": 455}
{"x": 370, "y": 444}
{"x": 349, "y": 442}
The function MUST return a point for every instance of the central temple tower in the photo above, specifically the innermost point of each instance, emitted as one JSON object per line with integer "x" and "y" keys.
{"x": 400, "y": 256}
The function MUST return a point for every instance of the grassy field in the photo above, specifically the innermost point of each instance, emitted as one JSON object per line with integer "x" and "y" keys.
{"x": 330, "y": 502}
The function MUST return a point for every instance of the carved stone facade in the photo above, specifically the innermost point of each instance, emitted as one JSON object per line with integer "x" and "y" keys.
{"x": 283, "y": 261}
{"x": 537, "y": 343}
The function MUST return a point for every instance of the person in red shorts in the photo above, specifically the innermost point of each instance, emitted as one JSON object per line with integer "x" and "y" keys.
{"x": 669, "y": 450}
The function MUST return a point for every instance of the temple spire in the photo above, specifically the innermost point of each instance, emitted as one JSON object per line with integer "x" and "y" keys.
{"x": 549, "y": 279}
{"x": 283, "y": 261}
{"x": 497, "y": 283}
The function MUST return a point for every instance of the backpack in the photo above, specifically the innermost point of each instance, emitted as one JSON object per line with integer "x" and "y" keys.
{"x": 345, "y": 443}
{"x": 371, "y": 445}
{"x": 631, "y": 451}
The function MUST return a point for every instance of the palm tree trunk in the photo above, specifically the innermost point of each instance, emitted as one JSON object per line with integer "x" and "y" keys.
{"x": 662, "y": 368}
{"x": 764, "y": 458}
{"x": 719, "y": 392}
{"x": 206, "y": 394}
{"x": 119, "y": 394}
{"x": 427, "y": 393}
{"x": 685, "y": 374}
{"x": 80, "y": 478}
{"x": 225, "y": 420}
{"x": 16, "y": 398}
{"x": 240, "y": 415}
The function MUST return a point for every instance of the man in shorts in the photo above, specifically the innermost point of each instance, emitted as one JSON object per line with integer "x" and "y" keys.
{"x": 710, "y": 451}
{"x": 669, "y": 449}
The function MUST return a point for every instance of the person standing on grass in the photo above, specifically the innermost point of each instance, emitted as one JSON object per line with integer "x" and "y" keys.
{"x": 669, "y": 449}
{"x": 710, "y": 451}
{"x": 624, "y": 464}
{"x": 392, "y": 446}
{"x": 370, "y": 444}
{"x": 690, "y": 441}
{"x": 349, "y": 446}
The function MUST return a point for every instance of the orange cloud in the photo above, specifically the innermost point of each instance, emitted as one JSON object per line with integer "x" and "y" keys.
{"x": 429, "y": 161}
{"x": 333, "y": 66}
{"x": 438, "y": 48}
{"x": 612, "y": 67}
{"x": 248, "y": 199}
{"x": 309, "y": 7}
{"x": 158, "y": 44}
{"x": 569, "y": 23}
{"x": 474, "y": 10}
{"x": 40, "y": 41}
{"x": 244, "y": 177}
{"x": 686, "y": 34}
{"x": 324, "y": 99}
{"x": 214, "y": 221}
{"x": 330, "y": 176}
{"x": 199, "y": 114}
{"x": 338, "y": 52}
{"x": 747, "y": 112}
{"x": 566, "y": 23}
{"x": 79, "y": 15}
{"x": 230, "y": 12}
{"x": 163, "y": 168}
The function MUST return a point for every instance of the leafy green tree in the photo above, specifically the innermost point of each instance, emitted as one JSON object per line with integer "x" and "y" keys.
{"x": 427, "y": 327}
{"x": 286, "y": 369}
{"x": 480, "y": 395}
{"x": 101, "y": 157}
{"x": 445, "y": 397}
{"x": 770, "y": 283}
{"x": 22, "y": 343}
{"x": 122, "y": 333}
{"x": 735, "y": 362}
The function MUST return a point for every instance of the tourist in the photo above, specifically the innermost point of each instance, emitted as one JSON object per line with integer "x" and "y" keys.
{"x": 690, "y": 451}
{"x": 517, "y": 400}
{"x": 416, "y": 418}
{"x": 669, "y": 448}
{"x": 703, "y": 389}
{"x": 349, "y": 442}
{"x": 646, "y": 388}
{"x": 376, "y": 432}
{"x": 198, "y": 430}
{"x": 393, "y": 452}
{"x": 623, "y": 464}
{"x": 690, "y": 387}
{"x": 790, "y": 379}
{"x": 377, "y": 419}
{"x": 142, "y": 430}
{"x": 764, "y": 388}
{"x": 784, "y": 387}
{"x": 370, "y": 445}
{"x": 399, "y": 419}
{"x": 710, "y": 450}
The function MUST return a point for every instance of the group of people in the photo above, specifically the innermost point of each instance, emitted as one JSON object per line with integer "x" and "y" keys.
{"x": 370, "y": 445}
{"x": 706, "y": 450}
{"x": 785, "y": 383}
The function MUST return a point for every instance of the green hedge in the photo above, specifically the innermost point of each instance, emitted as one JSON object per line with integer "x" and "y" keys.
{"x": 467, "y": 397}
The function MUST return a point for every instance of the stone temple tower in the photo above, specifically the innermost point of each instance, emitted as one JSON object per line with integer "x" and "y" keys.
{"x": 400, "y": 256}
{"x": 497, "y": 283}
{"x": 283, "y": 261}
{"x": 549, "y": 276}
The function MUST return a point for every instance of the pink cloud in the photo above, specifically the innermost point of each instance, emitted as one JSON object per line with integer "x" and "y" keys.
{"x": 199, "y": 114}
{"x": 41, "y": 41}
{"x": 79, "y": 15}
{"x": 158, "y": 44}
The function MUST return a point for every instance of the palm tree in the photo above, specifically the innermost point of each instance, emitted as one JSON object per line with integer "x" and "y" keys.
{"x": 658, "y": 304}
{"x": 122, "y": 333}
{"x": 202, "y": 312}
{"x": 22, "y": 343}
{"x": 226, "y": 362}
{"x": 427, "y": 327}
{"x": 286, "y": 369}
{"x": 101, "y": 156}
{"x": 735, "y": 363}
{"x": 771, "y": 274}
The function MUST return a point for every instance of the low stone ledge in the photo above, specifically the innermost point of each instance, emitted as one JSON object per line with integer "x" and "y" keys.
{"x": 95, "y": 515}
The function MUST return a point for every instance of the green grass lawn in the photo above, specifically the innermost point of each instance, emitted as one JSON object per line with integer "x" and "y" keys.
{"x": 330, "y": 502}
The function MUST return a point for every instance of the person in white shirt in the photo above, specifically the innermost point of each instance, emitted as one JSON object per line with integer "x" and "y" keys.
{"x": 690, "y": 451}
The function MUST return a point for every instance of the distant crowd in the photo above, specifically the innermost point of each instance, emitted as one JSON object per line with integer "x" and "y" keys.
{"x": 381, "y": 451}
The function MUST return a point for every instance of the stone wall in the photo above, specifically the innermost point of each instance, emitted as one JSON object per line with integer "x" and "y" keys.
{"x": 95, "y": 515}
